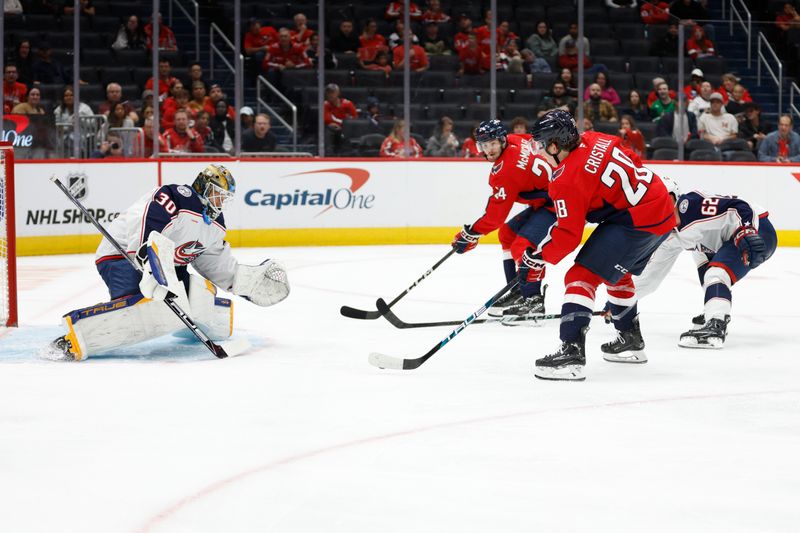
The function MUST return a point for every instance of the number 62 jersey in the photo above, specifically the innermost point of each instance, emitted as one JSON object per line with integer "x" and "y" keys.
{"x": 601, "y": 181}
{"x": 175, "y": 211}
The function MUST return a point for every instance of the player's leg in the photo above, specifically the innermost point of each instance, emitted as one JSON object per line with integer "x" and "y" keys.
{"x": 530, "y": 234}
{"x": 718, "y": 276}
{"x": 506, "y": 234}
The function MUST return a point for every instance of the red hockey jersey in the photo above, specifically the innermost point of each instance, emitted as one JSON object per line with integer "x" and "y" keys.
{"x": 601, "y": 181}
{"x": 519, "y": 175}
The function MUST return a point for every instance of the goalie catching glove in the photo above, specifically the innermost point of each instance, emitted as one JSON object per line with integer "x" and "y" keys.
{"x": 264, "y": 285}
{"x": 751, "y": 246}
{"x": 465, "y": 240}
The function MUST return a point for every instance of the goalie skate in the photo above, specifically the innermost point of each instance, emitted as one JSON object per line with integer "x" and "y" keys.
{"x": 710, "y": 336}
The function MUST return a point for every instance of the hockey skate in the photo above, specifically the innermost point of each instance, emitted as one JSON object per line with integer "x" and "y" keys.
{"x": 628, "y": 347}
{"x": 61, "y": 349}
{"x": 710, "y": 336}
{"x": 510, "y": 298}
{"x": 700, "y": 320}
{"x": 566, "y": 364}
{"x": 525, "y": 311}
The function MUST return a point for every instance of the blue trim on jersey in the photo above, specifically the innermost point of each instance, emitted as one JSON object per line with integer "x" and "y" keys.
{"x": 158, "y": 216}
{"x": 156, "y": 267}
{"x": 105, "y": 307}
{"x": 690, "y": 208}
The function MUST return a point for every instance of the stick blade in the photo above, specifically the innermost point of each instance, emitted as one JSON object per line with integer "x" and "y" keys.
{"x": 386, "y": 361}
{"x": 358, "y": 314}
{"x": 234, "y": 347}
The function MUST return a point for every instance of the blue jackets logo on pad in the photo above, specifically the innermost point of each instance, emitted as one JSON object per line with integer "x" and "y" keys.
{"x": 328, "y": 198}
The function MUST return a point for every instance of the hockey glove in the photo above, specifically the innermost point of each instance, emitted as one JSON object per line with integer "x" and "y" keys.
{"x": 154, "y": 283}
{"x": 531, "y": 267}
{"x": 465, "y": 240}
{"x": 750, "y": 245}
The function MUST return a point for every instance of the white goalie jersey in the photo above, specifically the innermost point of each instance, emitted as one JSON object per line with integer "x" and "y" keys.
{"x": 177, "y": 213}
{"x": 706, "y": 223}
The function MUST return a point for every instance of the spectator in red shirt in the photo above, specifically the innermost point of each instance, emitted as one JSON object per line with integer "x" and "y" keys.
{"x": 182, "y": 138}
{"x": 631, "y": 137}
{"x": 202, "y": 129}
{"x": 654, "y": 12}
{"x": 394, "y": 11}
{"x": 148, "y": 139}
{"x": 166, "y": 38}
{"x": 381, "y": 63}
{"x": 434, "y": 13}
{"x": 214, "y": 96}
{"x": 729, "y": 81}
{"x": 394, "y": 144}
{"x": 286, "y": 54}
{"x": 301, "y": 33}
{"x": 474, "y": 60}
{"x": 179, "y": 103}
{"x": 698, "y": 45}
{"x": 336, "y": 111}
{"x": 484, "y": 33}
{"x": 505, "y": 35}
{"x": 370, "y": 38}
{"x": 165, "y": 79}
{"x": 788, "y": 18}
{"x": 417, "y": 55}
{"x": 14, "y": 92}
{"x": 258, "y": 39}
{"x": 461, "y": 39}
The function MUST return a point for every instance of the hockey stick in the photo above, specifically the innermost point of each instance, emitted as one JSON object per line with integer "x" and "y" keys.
{"x": 360, "y": 314}
{"x": 234, "y": 347}
{"x": 397, "y": 322}
{"x": 399, "y": 363}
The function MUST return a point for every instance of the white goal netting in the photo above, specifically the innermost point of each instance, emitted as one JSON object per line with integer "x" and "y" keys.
{"x": 7, "y": 255}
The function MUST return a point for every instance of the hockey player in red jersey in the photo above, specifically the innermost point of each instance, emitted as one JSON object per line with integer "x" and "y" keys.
{"x": 518, "y": 175}
{"x": 595, "y": 179}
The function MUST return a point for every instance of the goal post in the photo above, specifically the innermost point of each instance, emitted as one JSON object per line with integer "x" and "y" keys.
{"x": 8, "y": 254}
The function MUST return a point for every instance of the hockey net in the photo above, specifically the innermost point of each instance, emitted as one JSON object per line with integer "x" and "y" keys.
{"x": 8, "y": 257}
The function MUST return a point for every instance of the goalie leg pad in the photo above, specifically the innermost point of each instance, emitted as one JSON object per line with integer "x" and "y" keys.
{"x": 117, "y": 323}
{"x": 264, "y": 285}
{"x": 211, "y": 314}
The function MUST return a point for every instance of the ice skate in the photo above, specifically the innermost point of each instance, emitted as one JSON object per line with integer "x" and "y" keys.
{"x": 525, "y": 311}
{"x": 511, "y": 298}
{"x": 710, "y": 336}
{"x": 61, "y": 349}
{"x": 566, "y": 364}
{"x": 700, "y": 320}
{"x": 628, "y": 347}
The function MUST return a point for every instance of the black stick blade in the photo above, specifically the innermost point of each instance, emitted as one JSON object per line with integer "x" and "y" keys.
{"x": 359, "y": 314}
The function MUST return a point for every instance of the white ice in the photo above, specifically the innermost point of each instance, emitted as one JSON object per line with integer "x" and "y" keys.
{"x": 302, "y": 435}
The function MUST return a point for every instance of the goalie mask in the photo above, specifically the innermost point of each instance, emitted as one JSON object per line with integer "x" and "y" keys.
{"x": 215, "y": 186}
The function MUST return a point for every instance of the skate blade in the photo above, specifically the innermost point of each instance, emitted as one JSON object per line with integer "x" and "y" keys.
{"x": 713, "y": 343}
{"x": 561, "y": 373}
{"x": 635, "y": 357}
{"x": 497, "y": 313}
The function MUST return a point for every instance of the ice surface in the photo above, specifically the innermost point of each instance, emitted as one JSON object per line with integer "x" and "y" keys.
{"x": 303, "y": 435}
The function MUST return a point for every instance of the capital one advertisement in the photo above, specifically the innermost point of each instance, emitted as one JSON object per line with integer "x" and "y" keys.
{"x": 349, "y": 194}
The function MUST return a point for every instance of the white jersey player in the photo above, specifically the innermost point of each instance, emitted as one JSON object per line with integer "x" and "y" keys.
{"x": 178, "y": 225}
{"x": 728, "y": 237}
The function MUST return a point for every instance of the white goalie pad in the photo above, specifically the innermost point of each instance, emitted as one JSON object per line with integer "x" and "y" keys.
{"x": 264, "y": 285}
{"x": 135, "y": 319}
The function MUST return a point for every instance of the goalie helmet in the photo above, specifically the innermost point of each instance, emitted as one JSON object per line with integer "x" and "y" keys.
{"x": 215, "y": 186}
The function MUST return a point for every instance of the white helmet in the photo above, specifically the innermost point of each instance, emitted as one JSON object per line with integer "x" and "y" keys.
{"x": 672, "y": 187}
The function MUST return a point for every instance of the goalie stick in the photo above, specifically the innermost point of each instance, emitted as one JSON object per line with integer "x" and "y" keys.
{"x": 360, "y": 314}
{"x": 233, "y": 347}
{"x": 398, "y": 363}
{"x": 397, "y": 322}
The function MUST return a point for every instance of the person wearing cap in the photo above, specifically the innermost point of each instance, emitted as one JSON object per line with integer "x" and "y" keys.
{"x": 753, "y": 128}
{"x": 664, "y": 104}
{"x": 246, "y": 117}
{"x": 652, "y": 96}
{"x": 336, "y": 111}
{"x": 716, "y": 125}
{"x": 259, "y": 138}
{"x": 214, "y": 96}
{"x": 702, "y": 102}
{"x": 693, "y": 88}
{"x": 781, "y": 146}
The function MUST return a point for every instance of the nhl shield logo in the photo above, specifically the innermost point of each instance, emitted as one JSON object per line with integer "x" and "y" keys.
{"x": 78, "y": 185}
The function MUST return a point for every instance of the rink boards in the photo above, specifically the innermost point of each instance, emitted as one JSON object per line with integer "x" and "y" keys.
{"x": 312, "y": 202}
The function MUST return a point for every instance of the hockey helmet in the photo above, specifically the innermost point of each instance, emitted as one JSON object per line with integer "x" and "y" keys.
{"x": 215, "y": 186}
{"x": 556, "y": 127}
{"x": 489, "y": 130}
{"x": 672, "y": 187}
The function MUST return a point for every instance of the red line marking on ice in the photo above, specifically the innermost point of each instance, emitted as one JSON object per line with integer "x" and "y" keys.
{"x": 224, "y": 483}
